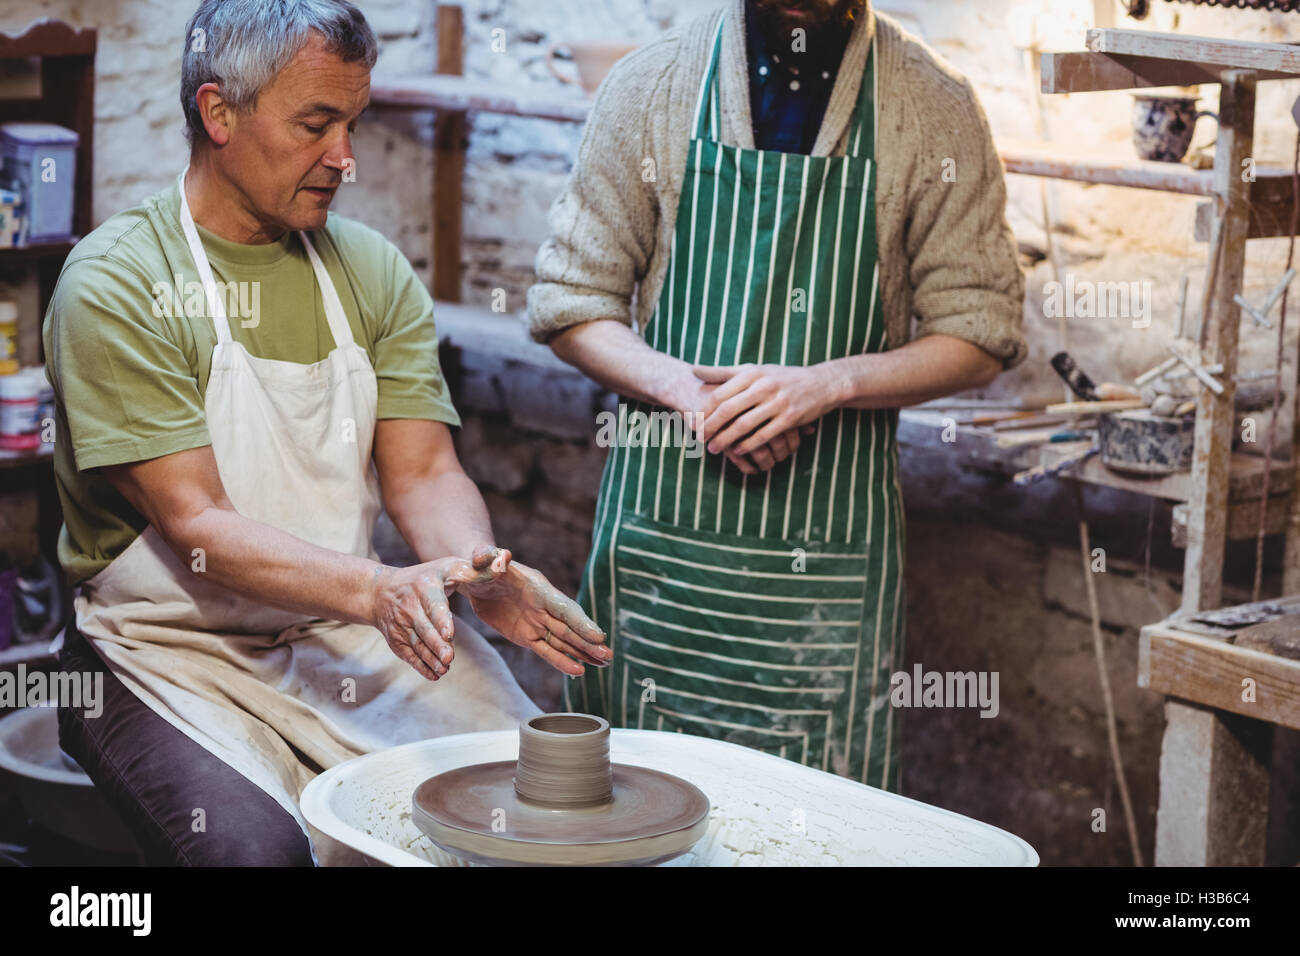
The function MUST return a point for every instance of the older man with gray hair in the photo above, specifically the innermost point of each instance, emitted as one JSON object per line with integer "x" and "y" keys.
{"x": 241, "y": 381}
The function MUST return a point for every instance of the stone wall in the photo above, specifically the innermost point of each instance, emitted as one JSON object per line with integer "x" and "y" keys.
{"x": 1009, "y": 598}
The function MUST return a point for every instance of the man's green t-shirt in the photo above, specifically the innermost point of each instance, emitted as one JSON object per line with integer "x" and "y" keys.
{"x": 129, "y": 362}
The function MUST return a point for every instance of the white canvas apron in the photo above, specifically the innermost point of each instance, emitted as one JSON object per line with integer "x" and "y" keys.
{"x": 277, "y": 696}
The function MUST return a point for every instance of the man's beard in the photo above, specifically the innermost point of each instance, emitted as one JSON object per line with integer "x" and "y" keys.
{"x": 823, "y": 38}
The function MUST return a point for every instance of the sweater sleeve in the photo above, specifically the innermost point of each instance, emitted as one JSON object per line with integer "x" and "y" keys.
{"x": 961, "y": 253}
{"x": 603, "y": 226}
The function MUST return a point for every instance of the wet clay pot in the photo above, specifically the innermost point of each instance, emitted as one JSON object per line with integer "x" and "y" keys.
{"x": 1163, "y": 125}
{"x": 562, "y": 803}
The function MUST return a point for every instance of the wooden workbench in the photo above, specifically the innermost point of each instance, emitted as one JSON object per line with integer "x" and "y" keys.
{"x": 1236, "y": 675}
{"x": 1215, "y": 758}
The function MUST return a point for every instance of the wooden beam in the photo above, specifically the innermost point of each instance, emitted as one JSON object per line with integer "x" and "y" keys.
{"x": 459, "y": 94}
{"x": 1215, "y": 673}
{"x": 1215, "y": 419}
{"x": 47, "y": 37}
{"x": 450, "y": 140}
{"x": 1094, "y": 72}
{"x": 1224, "y": 54}
{"x": 1105, "y": 166}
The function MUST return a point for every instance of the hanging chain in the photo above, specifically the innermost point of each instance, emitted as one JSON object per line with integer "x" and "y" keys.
{"x": 1283, "y": 6}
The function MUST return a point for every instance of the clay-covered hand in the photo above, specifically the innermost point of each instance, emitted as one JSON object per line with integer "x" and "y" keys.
{"x": 530, "y": 611}
{"x": 411, "y": 609}
{"x": 753, "y": 404}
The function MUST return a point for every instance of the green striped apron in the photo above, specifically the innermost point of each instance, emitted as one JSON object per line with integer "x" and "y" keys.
{"x": 764, "y": 610}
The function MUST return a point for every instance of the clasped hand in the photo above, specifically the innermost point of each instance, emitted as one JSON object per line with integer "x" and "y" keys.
{"x": 760, "y": 411}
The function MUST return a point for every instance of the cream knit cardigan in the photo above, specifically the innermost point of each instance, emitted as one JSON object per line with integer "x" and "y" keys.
{"x": 947, "y": 255}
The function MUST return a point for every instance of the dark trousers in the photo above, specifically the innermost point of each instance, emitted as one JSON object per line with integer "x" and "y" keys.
{"x": 184, "y": 806}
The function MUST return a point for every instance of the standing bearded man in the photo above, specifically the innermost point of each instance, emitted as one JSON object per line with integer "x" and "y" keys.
{"x": 783, "y": 185}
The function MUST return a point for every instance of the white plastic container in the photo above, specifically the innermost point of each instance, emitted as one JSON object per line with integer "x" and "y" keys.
{"x": 42, "y": 158}
{"x": 20, "y": 397}
{"x": 766, "y": 811}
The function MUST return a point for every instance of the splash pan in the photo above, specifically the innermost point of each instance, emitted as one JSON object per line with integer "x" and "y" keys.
{"x": 765, "y": 811}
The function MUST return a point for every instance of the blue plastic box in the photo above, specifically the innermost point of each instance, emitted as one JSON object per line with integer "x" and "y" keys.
{"x": 42, "y": 159}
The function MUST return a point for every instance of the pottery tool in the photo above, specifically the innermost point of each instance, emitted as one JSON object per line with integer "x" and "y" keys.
{"x": 1092, "y": 408}
{"x": 1002, "y": 418}
{"x": 1176, "y": 372}
{"x": 1037, "y": 421}
{"x": 562, "y": 803}
{"x": 1039, "y": 472}
{"x": 1156, "y": 372}
{"x": 1254, "y": 374}
{"x": 1047, "y": 437}
{"x": 1260, "y": 315}
{"x": 1208, "y": 380}
{"x": 1016, "y": 404}
{"x": 1073, "y": 376}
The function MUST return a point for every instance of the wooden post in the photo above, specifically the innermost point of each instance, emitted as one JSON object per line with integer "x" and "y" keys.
{"x": 1215, "y": 766}
{"x": 450, "y": 138}
{"x": 1214, "y": 782}
{"x": 1208, "y": 507}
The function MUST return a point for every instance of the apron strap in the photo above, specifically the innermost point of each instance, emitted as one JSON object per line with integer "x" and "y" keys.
{"x": 334, "y": 314}
{"x": 216, "y": 307}
{"x": 706, "y": 85}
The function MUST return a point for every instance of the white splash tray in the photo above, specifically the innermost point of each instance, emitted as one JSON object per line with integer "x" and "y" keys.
{"x": 766, "y": 811}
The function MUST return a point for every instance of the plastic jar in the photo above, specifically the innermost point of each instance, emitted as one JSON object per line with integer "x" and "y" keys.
{"x": 20, "y": 397}
{"x": 8, "y": 338}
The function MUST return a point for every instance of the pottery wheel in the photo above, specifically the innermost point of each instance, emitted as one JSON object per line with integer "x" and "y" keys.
{"x": 562, "y": 803}
{"x": 474, "y": 813}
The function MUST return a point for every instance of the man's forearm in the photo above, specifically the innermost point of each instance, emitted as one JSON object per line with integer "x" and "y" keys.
{"x": 268, "y": 565}
{"x": 440, "y": 515}
{"x": 616, "y": 358}
{"x": 922, "y": 370}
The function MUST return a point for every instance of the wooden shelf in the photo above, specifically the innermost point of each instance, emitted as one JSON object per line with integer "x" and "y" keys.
{"x": 46, "y": 37}
{"x": 1245, "y": 476}
{"x": 1198, "y": 658}
{"x": 17, "y": 459}
{"x": 67, "y": 86}
{"x": 979, "y": 449}
{"x": 1137, "y": 59}
{"x": 22, "y": 255}
{"x": 458, "y": 94}
{"x": 1208, "y": 52}
{"x": 1095, "y": 72}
